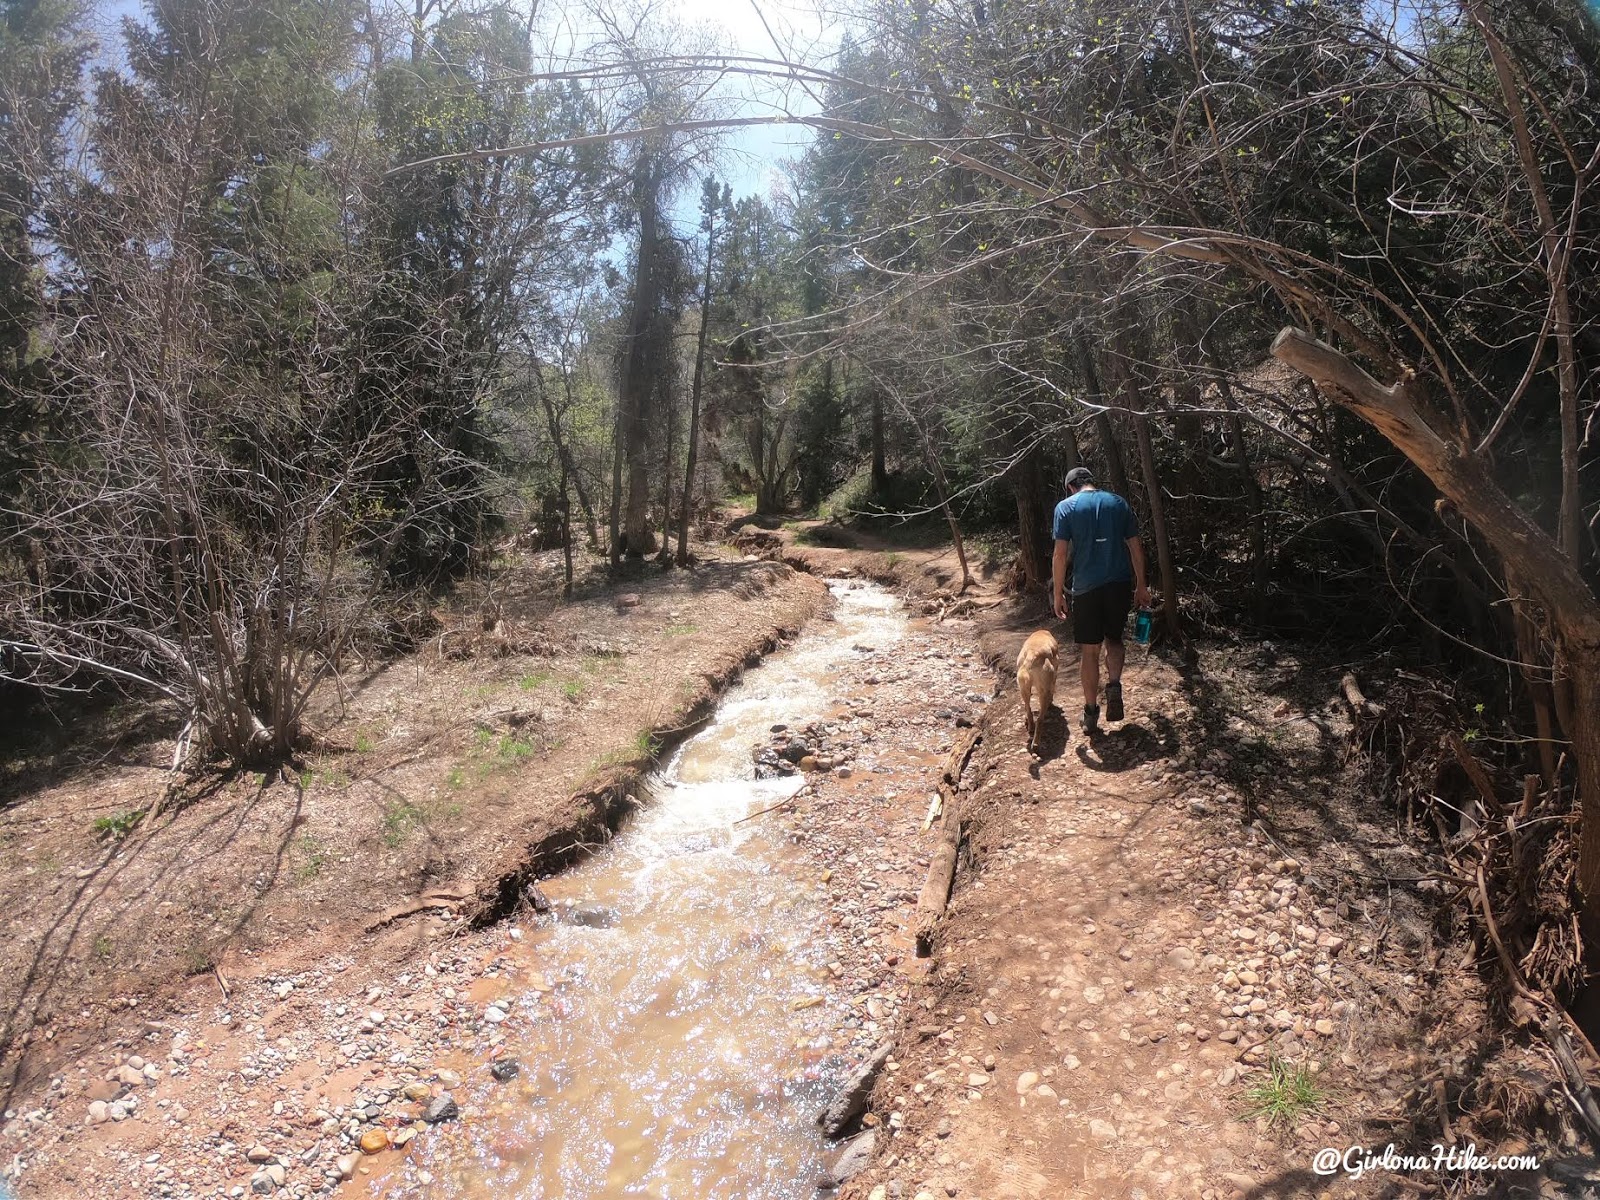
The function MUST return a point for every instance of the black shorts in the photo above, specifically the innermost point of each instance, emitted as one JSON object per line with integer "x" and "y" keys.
{"x": 1101, "y": 614}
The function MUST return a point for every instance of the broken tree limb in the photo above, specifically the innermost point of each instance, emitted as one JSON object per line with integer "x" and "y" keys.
{"x": 935, "y": 895}
{"x": 1398, "y": 412}
{"x": 1575, "y": 1086}
{"x": 434, "y": 899}
{"x": 1356, "y": 699}
{"x": 1474, "y": 769}
{"x": 784, "y": 803}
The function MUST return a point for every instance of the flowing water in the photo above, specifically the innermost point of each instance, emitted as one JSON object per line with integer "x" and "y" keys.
{"x": 668, "y": 1013}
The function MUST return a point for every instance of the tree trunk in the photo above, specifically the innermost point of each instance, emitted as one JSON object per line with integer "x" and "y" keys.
{"x": 1255, "y": 508}
{"x": 566, "y": 535}
{"x": 695, "y": 393}
{"x": 1027, "y": 487}
{"x": 880, "y": 466}
{"x": 1109, "y": 447}
{"x": 640, "y": 369}
{"x": 615, "y": 529}
{"x": 666, "y": 483}
{"x": 1538, "y": 560}
{"x": 563, "y": 457}
{"x": 1530, "y": 656}
{"x": 1070, "y": 448}
{"x": 942, "y": 490}
{"x": 1134, "y": 404}
{"x": 1158, "y": 523}
{"x": 1113, "y": 452}
{"x": 591, "y": 528}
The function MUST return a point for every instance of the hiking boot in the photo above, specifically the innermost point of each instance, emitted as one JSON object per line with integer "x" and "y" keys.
{"x": 1091, "y": 718}
{"x": 1114, "y": 700}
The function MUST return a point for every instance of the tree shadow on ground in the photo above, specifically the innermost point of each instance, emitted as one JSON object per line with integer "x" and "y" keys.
{"x": 29, "y": 995}
{"x": 55, "y": 742}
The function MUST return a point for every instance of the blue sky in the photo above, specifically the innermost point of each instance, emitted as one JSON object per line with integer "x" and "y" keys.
{"x": 753, "y": 156}
{"x": 754, "y": 153}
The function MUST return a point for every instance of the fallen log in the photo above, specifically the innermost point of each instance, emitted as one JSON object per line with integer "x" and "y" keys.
{"x": 850, "y": 1101}
{"x": 935, "y": 895}
{"x": 956, "y": 761}
{"x": 1358, "y": 702}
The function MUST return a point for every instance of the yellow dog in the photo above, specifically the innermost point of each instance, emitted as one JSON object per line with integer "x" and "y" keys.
{"x": 1036, "y": 676}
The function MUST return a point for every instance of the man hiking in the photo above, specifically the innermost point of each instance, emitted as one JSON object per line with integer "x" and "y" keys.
{"x": 1097, "y": 532}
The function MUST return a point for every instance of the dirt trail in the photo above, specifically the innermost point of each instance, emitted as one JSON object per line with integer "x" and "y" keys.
{"x": 1132, "y": 946}
{"x": 1077, "y": 1006}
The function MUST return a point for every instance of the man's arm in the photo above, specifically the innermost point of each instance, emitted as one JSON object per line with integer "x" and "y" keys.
{"x": 1141, "y": 593}
{"x": 1058, "y": 574}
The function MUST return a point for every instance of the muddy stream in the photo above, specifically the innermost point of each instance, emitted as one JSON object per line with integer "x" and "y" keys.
{"x": 667, "y": 1014}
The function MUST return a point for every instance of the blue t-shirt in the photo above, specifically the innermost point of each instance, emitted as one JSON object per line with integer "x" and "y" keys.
{"x": 1098, "y": 524}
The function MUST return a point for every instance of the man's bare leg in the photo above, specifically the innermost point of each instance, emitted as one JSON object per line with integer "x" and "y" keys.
{"x": 1114, "y": 655}
{"x": 1089, "y": 672}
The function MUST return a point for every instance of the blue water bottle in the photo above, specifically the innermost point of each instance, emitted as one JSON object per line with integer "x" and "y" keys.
{"x": 1142, "y": 625}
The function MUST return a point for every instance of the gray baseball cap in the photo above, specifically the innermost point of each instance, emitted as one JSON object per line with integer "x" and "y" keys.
{"x": 1077, "y": 477}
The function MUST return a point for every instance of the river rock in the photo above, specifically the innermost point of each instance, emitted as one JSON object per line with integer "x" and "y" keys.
{"x": 417, "y": 1092}
{"x": 592, "y": 918}
{"x": 795, "y": 750}
{"x": 268, "y": 1180}
{"x": 258, "y": 1154}
{"x": 852, "y": 1159}
{"x": 347, "y": 1166}
{"x": 374, "y": 1141}
{"x": 505, "y": 1070}
{"x": 851, "y": 1099}
{"x": 441, "y": 1108}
